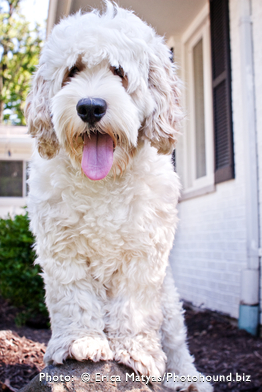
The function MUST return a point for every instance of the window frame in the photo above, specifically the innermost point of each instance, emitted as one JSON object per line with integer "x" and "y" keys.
{"x": 199, "y": 29}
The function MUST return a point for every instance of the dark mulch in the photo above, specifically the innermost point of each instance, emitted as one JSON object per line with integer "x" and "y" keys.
{"x": 21, "y": 350}
{"x": 220, "y": 349}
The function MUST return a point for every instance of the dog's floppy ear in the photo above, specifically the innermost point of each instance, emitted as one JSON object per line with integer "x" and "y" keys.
{"x": 38, "y": 117}
{"x": 162, "y": 126}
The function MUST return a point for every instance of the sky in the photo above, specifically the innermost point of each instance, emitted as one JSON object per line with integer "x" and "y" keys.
{"x": 35, "y": 11}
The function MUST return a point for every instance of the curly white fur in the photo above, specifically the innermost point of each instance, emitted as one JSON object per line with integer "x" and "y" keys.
{"x": 104, "y": 245}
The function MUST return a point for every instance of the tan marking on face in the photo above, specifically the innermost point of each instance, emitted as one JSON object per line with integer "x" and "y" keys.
{"x": 70, "y": 73}
{"x": 121, "y": 74}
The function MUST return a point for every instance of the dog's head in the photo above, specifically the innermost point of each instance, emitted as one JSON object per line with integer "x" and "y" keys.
{"x": 104, "y": 84}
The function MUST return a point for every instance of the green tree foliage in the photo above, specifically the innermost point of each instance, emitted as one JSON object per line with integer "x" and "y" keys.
{"x": 19, "y": 52}
{"x": 20, "y": 281}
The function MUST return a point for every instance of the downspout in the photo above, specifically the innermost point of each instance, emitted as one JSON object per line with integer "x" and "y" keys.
{"x": 249, "y": 299}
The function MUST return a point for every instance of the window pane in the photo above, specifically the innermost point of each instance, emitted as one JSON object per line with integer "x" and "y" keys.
{"x": 26, "y": 178}
{"x": 199, "y": 109}
{"x": 11, "y": 178}
{"x": 174, "y": 159}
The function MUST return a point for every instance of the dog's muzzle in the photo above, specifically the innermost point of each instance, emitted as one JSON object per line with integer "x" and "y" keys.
{"x": 98, "y": 148}
{"x": 91, "y": 110}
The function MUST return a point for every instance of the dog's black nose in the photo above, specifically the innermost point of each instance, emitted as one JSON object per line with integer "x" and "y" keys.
{"x": 91, "y": 110}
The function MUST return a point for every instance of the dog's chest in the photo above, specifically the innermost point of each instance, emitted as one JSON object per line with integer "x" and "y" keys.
{"x": 106, "y": 224}
{"x": 112, "y": 217}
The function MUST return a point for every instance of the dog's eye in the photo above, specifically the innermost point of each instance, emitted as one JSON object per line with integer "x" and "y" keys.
{"x": 73, "y": 71}
{"x": 119, "y": 72}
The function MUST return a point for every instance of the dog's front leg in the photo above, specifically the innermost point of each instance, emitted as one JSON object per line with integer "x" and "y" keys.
{"x": 181, "y": 374}
{"x": 132, "y": 324}
{"x": 77, "y": 321}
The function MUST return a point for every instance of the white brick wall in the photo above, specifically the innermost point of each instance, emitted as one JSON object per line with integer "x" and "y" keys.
{"x": 210, "y": 249}
{"x": 210, "y": 245}
{"x": 257, "y": 34}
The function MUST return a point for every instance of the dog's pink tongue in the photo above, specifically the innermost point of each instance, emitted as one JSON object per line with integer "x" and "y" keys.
{"x": 97, "y": 156}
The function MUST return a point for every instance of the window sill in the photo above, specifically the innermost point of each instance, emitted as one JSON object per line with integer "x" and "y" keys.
{"x": 192, "y": 193}
{"x": 15, "y": 201}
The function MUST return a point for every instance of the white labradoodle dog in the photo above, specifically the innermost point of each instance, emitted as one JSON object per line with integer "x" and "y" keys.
{"x": 104, "y": 110}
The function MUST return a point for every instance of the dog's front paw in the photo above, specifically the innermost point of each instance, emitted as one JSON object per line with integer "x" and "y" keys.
{"x": 142, "y": 363}
{"x": 145, "y": 357}
{"x": 95, "y": 348}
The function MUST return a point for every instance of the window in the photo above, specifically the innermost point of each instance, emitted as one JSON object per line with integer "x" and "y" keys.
{"x": 13, "y": 175}
{"x": 205, "y": 154}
